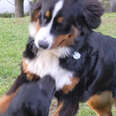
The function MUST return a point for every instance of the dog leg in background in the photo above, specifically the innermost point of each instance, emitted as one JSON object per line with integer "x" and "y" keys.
{"x": 101, "y": 103}
{"x": 67, "y": 106}
{"x": 68, "y": 103}
{"x": 6, "y": 99}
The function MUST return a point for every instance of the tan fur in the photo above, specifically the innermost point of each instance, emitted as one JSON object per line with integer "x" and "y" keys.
{"x": 29, "y": 75}
{"x": 35, "y": 15}
{"x": 35, "y": 20}
{"x": 60, "y": 105}
{"x": 59, "y": 19}
{"x": 67, "y": 88}
{"x": 65, "y": 40}
{"x": 101, "y": 103}
{"x": 47, "y": 14}
{"x": 5, "y": 101}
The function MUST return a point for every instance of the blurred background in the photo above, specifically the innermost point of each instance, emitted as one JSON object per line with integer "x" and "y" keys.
{"x": 20, "y": 8}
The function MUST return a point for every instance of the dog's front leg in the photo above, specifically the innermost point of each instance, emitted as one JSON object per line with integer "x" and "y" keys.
{"x": 67, "y": 106}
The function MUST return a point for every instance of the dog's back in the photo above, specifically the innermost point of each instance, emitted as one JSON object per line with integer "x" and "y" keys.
{"x": 33, "y": 99}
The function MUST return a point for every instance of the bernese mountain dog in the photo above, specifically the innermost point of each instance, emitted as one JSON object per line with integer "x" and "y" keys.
{"x": 33, "y": 99}
{"x": 63, "y": 43}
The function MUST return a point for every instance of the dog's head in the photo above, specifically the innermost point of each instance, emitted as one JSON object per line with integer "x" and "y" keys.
{"x": 56, "y": 23}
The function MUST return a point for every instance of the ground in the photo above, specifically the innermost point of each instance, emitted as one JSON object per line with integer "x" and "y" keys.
{"x": 13, "y": 37}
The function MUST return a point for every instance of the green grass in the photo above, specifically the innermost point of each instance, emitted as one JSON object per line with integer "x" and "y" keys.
{"x": 108, "y": 26}
{"x": 86, "y": 111}
{"x": 13, "y": 37}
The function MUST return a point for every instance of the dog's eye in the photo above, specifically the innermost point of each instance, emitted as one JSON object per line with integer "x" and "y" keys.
{"x": 47, "y": 16}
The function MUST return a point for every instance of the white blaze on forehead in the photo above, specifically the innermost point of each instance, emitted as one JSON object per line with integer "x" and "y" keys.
{"x": 44, "y": 32}
{"x": 58, "y": 6}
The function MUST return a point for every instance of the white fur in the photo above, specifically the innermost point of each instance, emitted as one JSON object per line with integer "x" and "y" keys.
{"x": 47, "y": 62}
{"x": 32, "y": 29}
{"x": 44, "y": 32}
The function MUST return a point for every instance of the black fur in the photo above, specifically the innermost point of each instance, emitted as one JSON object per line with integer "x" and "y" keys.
{"x": 83, "y": 14}
{"x": 31, "y": 50}
{"x": 97, "y": 66}
{"x": 33, "y": 99}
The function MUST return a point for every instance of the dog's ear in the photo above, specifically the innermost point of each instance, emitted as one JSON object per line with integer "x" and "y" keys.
{"x": 35, "y": 8}
{"x": 92, "y": 13}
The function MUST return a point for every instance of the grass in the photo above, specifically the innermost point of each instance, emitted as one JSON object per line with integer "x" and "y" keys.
{"x": 13, "y": 37}
{"x": 108, "y": 26}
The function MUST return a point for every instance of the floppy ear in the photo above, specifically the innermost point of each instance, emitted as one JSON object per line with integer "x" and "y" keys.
{"x": 92, "y": 13}
{"x": 35, "y": 8}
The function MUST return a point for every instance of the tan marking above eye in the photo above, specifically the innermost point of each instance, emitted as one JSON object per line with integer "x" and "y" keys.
{"x": 47, "y": 14}
{"x": 60, "y": 19}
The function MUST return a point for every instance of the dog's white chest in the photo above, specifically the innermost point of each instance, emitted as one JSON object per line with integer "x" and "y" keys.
{"x": 48, "y": 63}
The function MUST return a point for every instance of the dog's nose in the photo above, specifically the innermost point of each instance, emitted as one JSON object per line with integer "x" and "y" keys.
{"x": 43, "y": 44}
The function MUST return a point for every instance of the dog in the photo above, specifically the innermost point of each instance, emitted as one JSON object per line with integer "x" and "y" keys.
{"x": 33, "y": 98}
{"x": 68, "y": 25}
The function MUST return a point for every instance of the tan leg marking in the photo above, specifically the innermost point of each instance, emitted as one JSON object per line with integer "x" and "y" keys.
{"x": 101, "y": 103}
{"x": 60, "y": 105}
{"x": 114, "y": 101}
{"x": 5, "y": 101}
{"x": 67, "y": 88}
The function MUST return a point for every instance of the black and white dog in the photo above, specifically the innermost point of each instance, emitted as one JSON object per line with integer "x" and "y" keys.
{"x": 63, "y": 44}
